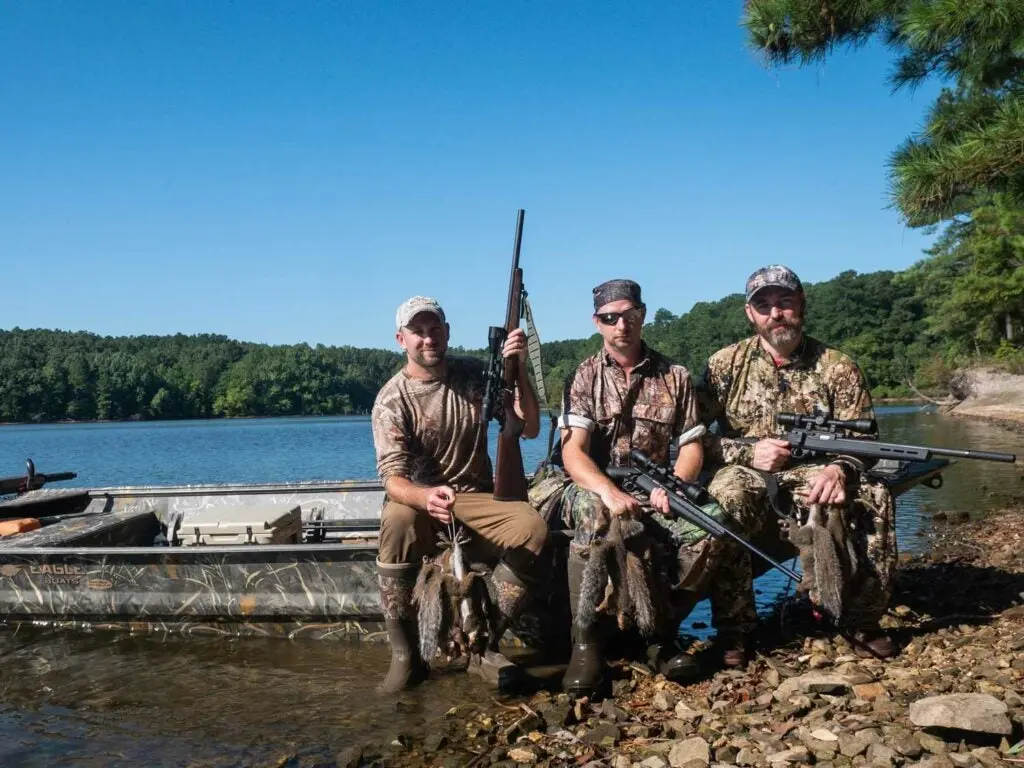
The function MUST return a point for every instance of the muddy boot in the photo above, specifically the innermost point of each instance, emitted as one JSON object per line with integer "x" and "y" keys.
{"x": 585, "y": 673}
{"x": 511, "y": 582}
{"x": 407, "y": 668}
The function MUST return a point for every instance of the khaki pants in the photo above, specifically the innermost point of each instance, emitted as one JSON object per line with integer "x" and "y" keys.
{"x": 407, "y": 534}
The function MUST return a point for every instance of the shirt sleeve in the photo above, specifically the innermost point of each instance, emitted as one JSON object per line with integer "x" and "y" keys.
{"x": 578, "y": 402}
{"x": 712, "y": 394}
{"x": 390, "y": 439}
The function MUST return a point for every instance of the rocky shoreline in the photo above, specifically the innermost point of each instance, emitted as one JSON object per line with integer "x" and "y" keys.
{"x": 952, "y": 698}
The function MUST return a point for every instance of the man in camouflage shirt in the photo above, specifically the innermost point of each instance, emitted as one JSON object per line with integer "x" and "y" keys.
{"x": 780, "y": 369}
{"x": 431, "y": 446}
{"x": 628, "y": 396}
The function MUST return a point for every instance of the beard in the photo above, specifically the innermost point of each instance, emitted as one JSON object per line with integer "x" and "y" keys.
{"x": 784, "y": 333}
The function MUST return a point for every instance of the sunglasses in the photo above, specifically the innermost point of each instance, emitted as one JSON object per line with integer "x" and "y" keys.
{"x": 612, "y": 318}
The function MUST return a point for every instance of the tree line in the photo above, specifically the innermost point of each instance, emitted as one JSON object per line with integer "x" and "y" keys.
{"x": 908, "y": 330}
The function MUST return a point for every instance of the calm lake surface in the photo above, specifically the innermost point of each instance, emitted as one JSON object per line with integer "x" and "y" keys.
{"x": 110, "y": 699}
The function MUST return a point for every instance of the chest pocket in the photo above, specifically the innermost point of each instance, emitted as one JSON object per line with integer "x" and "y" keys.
{"x": 652, "y": 429}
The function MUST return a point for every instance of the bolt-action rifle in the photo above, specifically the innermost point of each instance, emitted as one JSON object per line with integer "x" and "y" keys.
{"x": 813, "y": 436}
{"x": 31, "y": 480}
{"x": 683, "y": 500}
{"x": 502, "y": 375}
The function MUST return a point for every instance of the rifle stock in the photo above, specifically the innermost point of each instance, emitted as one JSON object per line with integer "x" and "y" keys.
{"x": 509, "y": 476}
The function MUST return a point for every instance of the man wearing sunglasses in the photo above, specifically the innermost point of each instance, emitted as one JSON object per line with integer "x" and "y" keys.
{"x": 627, "y": 396}
{"x": 432, "y": 458}
{"x": 781, "y": 369}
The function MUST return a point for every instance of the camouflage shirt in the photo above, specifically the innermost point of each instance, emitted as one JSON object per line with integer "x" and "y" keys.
{"x": 657, "y": 406}
{"x": 428, "y": 431}
{"x": 742, "y": 390}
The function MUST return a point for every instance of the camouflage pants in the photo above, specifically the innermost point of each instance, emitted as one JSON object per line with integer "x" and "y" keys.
{"x": 684, "y": 552}
{"x": 870, "y": 530}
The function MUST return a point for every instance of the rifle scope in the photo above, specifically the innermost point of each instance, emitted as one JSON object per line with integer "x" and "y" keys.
{"x": 863, "y": 426}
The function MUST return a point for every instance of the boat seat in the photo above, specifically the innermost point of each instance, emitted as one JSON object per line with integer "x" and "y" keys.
{"x": 46, "y": 501}
{"x": 126, "y": 527}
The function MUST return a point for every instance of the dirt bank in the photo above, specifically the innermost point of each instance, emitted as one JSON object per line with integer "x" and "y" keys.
{"x": 994, "y": 396}
{"x": 807, "y": 699}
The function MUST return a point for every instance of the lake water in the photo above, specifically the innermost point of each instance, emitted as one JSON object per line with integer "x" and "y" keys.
{"x": 110, "y": 699}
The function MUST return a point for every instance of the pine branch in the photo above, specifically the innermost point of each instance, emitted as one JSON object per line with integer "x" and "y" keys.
{"x": 933, "y": 179}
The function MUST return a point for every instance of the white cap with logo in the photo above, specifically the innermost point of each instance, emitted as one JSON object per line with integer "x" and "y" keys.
{"x": 413, "y": 306}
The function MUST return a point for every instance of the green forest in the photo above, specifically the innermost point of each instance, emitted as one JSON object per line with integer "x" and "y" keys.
{"x": 913, "y": 327}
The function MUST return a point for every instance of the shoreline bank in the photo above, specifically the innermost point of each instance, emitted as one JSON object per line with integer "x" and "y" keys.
{"x": 806, "y": 699}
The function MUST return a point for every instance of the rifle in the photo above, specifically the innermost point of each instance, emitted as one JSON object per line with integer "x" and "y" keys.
{"x": 813, "y": 436}
{"x": 31, "y": 481}
{"x": 501, "y": 377}
{"x": 683, "y": 500}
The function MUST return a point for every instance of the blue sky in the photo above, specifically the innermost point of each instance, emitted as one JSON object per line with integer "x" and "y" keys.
{"x": 289, "y": 172}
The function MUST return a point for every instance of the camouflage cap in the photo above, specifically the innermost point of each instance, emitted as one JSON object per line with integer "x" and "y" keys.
{"x": 413, "y": 306}
{"x": 616, "y": 290}
{"x": 774, "y": 275}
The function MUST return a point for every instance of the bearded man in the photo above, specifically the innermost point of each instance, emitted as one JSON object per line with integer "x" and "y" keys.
{"x": 781, "y": 369}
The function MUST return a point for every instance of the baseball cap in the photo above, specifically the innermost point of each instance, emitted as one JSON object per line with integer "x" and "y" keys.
{"x": 411, "y": 307}
{"x": 774, "y": 275}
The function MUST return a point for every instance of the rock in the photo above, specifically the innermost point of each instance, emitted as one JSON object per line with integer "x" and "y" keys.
{"x": 686, "y": 714}
{"x": 823, "y": 734}
{"x": 747, "y": 756}
{"x": 602, "y": 735}
{"x": 869, "y": 691}
{"x": 521, "y": 727}
{"x": 622, "y": 687}
{"x": 726, "y": 754}
{"x": 932, "y": 743}
{"x": 853, "y": 744}
{"x": 908, "y": 745}
{"x": 812, "y": 682}
{"x": 961, "y": 760}
{"x": 678, "y": 728}
{"x": 664, "y": 701}
{"x": 435, "y": 741}
{"x": 621, "y": 761}
{"x": 350, "y": 757}
{"x": 523, "y": 755}
{"x": 792, "y": 755}
{"x": 988, "y": 756}
{"x": 612, "y": 712}
{"x": 881, "y": 755}
{"x": 654, "y": 761}
{"x": 819, "y": 661}
{"x": 854, "y": 673}
{"x": 772, "y": 678}
{"x": 936, "y": 761}
{"x": 683, "y": 752}
{"x": 978, "y": 712}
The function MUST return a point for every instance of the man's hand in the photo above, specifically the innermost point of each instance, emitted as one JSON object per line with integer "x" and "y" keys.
{"x": 515, "y": 345}
{"x": 619, "y": 502}
{"x": 770, "y": 454}
{"x": 826, "y": 487}
{"x": 440, "y": 501}
{"x": 659, "y": 500}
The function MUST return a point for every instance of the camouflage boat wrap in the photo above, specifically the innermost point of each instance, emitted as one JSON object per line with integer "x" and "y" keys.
{"x": 98, "y": 568}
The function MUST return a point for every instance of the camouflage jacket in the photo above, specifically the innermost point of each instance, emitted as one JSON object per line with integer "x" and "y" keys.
{"x": 656, "y": 407}
{"x": 742, "y": 390}
{"x": 428, "y": 431}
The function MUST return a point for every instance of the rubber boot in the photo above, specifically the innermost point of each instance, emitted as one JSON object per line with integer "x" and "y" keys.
{"x": 511, "y": 587}
{"x": 407, "y": 668}
{"x": 585, "y": 673}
